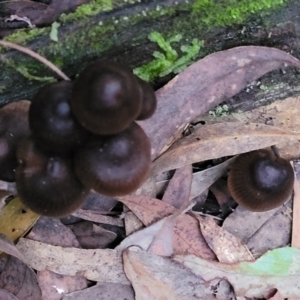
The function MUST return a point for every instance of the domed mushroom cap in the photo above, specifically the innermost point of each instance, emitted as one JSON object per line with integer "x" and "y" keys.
{"x": 114, "y": 165}
{"x": 51, "y": 120}
{"x": 260, "y": 181}
{"x": 47, "y": 184}
{"x": 106, "y": 98}
{"x": 149, "y": 101}
{"x": 13, "y": 128}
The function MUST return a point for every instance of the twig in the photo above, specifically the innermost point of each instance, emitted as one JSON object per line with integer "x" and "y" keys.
{"x": 37, "y": 57}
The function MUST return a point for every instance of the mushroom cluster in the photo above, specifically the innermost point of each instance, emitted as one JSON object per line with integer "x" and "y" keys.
{"x": 77, "y": 136}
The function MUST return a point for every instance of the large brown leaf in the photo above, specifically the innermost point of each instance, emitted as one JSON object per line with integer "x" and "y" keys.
{"x": 219, "y": 140}
{"x": 207, "y": 83}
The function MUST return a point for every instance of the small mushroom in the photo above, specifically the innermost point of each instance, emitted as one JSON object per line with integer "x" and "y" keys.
{"x": 51, "y": 120}
{"x": 47, "y": 184}
{"x": 149, "y": 101}
{"x": 13, "y": 128}
{"x": 260, "y": 180}
{"x": 114, "y": 165}
{"x": 106, "y": 98}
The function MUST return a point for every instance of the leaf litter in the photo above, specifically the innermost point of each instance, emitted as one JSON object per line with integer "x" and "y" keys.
{"x": 183, "y": 239}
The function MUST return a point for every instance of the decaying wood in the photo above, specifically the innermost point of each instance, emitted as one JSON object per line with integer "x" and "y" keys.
{"x": 121, "y": 32}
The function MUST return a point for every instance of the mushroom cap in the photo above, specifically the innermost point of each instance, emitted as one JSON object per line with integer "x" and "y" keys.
{"x": 260, "y": 181}
{"x": 51, "y": 120}
{"x": 114, "y": 165}
{"x": 45, "y": 183}
{"x": 149, "y": 101}
{"x": 106, "y": 98}
{"x": 13, "y": 128}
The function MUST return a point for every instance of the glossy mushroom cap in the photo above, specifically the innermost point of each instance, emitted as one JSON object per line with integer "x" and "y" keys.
{"x": 106, "y": 98}
{"x": 114, "y": 165}
{"x": 51, "y": 120}
{"x": 149, "y": 101}
{"x": 47, "y": 184}
{"x": 260, "y": 181}
{"x": 13, "y": 128}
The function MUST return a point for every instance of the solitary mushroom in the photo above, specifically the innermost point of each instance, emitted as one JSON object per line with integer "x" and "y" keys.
{"x": 114, "y": 165}
{"x": 51, "y": 120}
{"x": 13, "y": 128}
{"x": 47, "y": 184}
{"x": 260, "y": 181}
{"x": 106, "y": 98}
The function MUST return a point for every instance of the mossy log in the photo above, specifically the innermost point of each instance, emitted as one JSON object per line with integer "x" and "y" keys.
{"x": 120, "y": 30}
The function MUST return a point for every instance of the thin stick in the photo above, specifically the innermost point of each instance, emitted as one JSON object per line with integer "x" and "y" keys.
{"x": 37, "y": 57}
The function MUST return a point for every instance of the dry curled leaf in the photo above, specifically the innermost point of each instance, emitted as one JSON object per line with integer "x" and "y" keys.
{"x": 187, "y": 235}
{"x": 207, "y": 83}
{"x": 20, "y": 280}
{"x": 154, "y": 277}
{"x": 277, "y": 269}
{"x": 225, "y": 245}
{"x": 219, "y": 140}
{"x": 179, "y": 188}
{"x": 7, "y": 246}
{"x": 93, "y": 264}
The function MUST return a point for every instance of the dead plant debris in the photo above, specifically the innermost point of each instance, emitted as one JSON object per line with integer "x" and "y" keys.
{"x": 172, "y": 239}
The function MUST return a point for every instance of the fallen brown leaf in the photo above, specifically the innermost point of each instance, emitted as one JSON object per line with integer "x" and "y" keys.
{"x": 225, "y": 245}
{"x": 94, "y": 216}
{"x": 178, "y": 191}
{"x": 147, "y": 209}
{"x": 204, "y": 179}
{"x": 91, "y": 236}
{"x": 103, "y": 291}
{"x": 207, "y": 83}
{"x": 132, "y": 223}
{"x": 162, "y": 243}
{"x": 144, "y": 237}
{"x": 7, "y": 246}
{"x": 145, "y": 285}
{"x": 18, "y": 279}
{"x": 155, "y": 277}
{"x": 219, "y": 140}
{"x": 188, "y": 238}
{"x": 281, "y": 113}
{"x": 276, "y": 269}
{"x": 54, "y": 286}
{"x": 244, "y": 224}
{"x": 187, "y": 235}
{"x": 7, "y": 295}
{"x": 52, "y": 231}
{"x": 93, "y": 264}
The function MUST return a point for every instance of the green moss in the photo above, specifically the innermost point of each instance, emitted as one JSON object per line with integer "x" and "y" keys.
{"x": 86, "y": 10}
{"x": 24, "y": 36}
{"x": 169, "y": 60}
{"x": 26, "y": 73}
{"x": 220, "y": 13}
{"x": 220, "y": 111}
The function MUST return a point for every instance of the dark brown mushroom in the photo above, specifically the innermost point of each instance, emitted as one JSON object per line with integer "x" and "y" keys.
{"x": 149, "y": 101}
{"x": 106, "y": 98}
{"x": 114, "y": 165}
{"x": 47, "y": 184}
{"x": 260, "y": 181}
{"x": 13, "y": 128}
{"x": 51, "y": 120}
